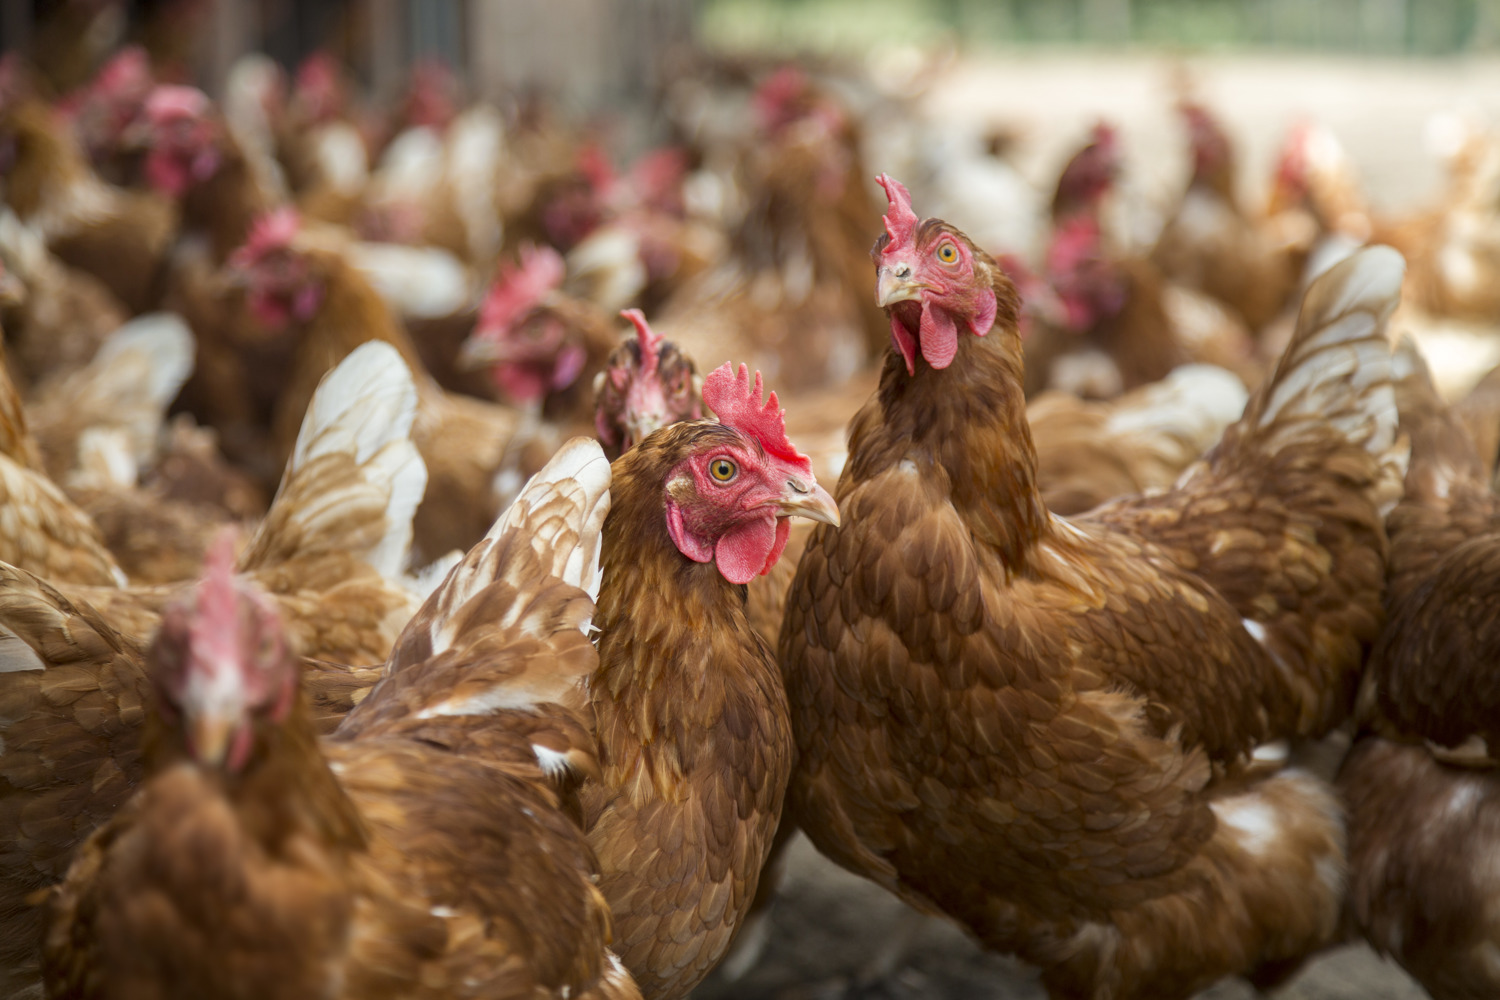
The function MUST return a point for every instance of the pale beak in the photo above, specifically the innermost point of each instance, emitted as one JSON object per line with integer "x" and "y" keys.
{"x": 807, "y": 500}
{"x": 895, "y": 284}
{"x": 640, "y": 426}
{"x": 480, "y": 352}
{"x": 210, "y": 733}
{"x": 136, "y": 136}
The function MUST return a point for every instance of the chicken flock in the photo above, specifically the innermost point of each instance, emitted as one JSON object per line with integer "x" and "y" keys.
{"x": 410, "y": 590}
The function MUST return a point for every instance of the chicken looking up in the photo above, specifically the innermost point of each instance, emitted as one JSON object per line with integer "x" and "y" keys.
{"x": 1056, "y": 731}
{"x": 646, "y": 384}
{"x": 429, "y": 849}
{"x": 72, "y": 679}
{"x": 688, "y": 701}
{"x": 1423, "y": 796}
{"x": 1089, "y": 176}
{"x": 120, "y": 237}
{"x": 542, "y": 348}
{"x": 1252, "y": 265}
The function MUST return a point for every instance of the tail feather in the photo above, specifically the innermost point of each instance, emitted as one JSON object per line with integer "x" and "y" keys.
{"x": 1338, "y": 372}
{"x": 551, "y": 534}
{"x": 99, "y": 425}
{"x": 1442, "y": 451}
{"x": 355, "y": 478}
{"x": 506, "y": 631}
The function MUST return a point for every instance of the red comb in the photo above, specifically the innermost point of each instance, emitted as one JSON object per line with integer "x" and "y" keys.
{"x": 519, "y": 288}
{"x": 774, "y": 100}
{"x": 648, "y": 338}
{"x": 271, "y": 231}
{"x": 129, "y": 68}
{"x": 900, "y": 220}
{"x": 169, "y": 100}
{"x": 730, "y": 395}
{"x": 214, "y": 632}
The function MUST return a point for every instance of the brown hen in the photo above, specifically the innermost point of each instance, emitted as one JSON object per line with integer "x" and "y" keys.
{"x": 426, "y": 850}
{"x": 1048, "y": 729}
{"x": 688, "y": 702}
{"x": 73, "y": 685}
{"x": 1423, "y": 797}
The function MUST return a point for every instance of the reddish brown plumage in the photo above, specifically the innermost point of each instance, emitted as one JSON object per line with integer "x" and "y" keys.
{"x": 424, "y": 851}
{"x": 120, "y": 237}
{"x": 74, "y": 685}
{"x": 1030, "y": 724}
{"x": 693, "y": 734}
{"x": 1423, "y": 797}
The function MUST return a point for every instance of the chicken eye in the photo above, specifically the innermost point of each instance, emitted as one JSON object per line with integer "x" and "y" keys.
{"x": 723, "y": 470}
{"x": 947, "y": 253}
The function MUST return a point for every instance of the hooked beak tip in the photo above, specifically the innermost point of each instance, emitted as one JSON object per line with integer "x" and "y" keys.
{"x": 813, "y": 502}
{"x": 210, "y": 736}
{"x": 891, "y": 288}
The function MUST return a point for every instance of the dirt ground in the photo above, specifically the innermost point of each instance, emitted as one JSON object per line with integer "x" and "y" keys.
{"x": 831, "y": 929}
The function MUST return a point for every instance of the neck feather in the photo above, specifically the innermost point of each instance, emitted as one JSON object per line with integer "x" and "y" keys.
{"x": 966, "y": 424}
{"x": 674, "y": 637}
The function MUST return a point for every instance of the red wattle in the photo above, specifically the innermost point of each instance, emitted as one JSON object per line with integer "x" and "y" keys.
{"x": 939, "y": 336}
{"x": 743, "y": 553}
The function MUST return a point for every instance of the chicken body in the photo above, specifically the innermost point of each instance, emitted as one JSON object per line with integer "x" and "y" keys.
{"x": 1424, "y": 800}
{"x": 427, "y": 850}
{"x": 693, "y": 733}
{"x": 1253, "y": 265}
{"x": 1042, "y": 727}
{"x": 120, "y": 237}
{"x": 74, "y": 687}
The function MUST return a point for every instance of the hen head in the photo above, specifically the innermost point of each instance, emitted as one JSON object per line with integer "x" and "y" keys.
{"x": 931, "y": 280}
{"x": 646, "y": 384}
{"x": 729, "y": 486}
{"x": 432, "y": 96}
{"x": 107, "y": 111}
{"x": 318, "y": 95}
{"x": 1213, "y": 155}
{"x": 1090, "y": 174}
{"x": 1087, "y": 285}
{"x": 223, "y": 668}
{"x": 279, "y": 279}
{"x": 530, "y": 351}
{"x": 182, "y": 136}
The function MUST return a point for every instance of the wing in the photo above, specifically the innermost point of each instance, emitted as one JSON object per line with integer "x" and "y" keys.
{"x": 335, "y": 542}
{"x": 506, "y": 634}
{"x": 1284, "y": 517}
{"x": 72, "y": 700}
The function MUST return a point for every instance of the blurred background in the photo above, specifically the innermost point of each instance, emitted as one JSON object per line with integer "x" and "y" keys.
{"x": 976, "y": 104}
